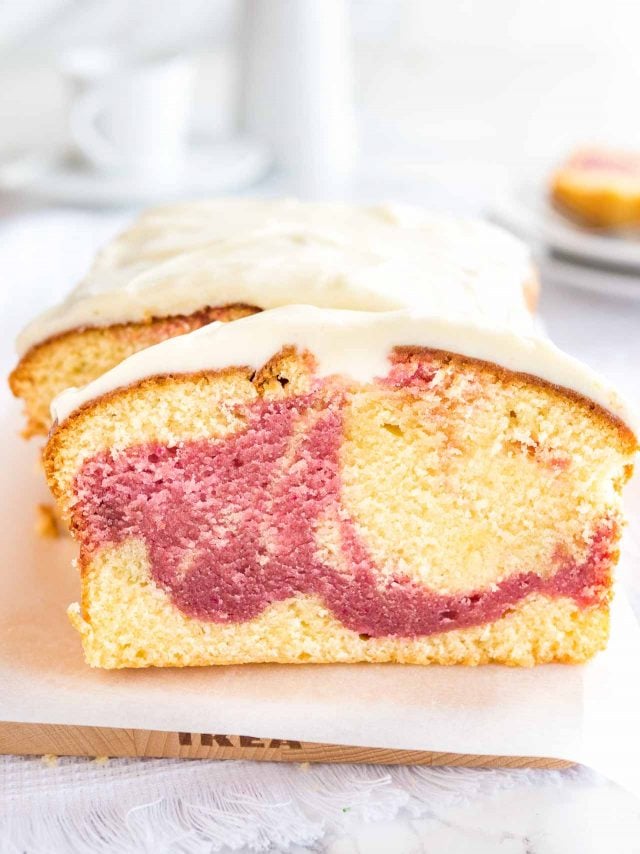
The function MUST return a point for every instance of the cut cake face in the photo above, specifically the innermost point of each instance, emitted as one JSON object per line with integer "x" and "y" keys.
{"x": 316, "y": 486}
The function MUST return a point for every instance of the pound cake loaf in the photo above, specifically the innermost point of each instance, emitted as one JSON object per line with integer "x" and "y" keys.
{"x": 314, "y": 485}
{"x": 183, "y": 266}
{"x": 599, "y": 187}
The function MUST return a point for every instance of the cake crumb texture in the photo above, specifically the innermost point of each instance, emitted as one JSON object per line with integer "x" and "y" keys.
{"x": 129, "y": 622}
{"x": 77, "y": 357}
{"x": 457, "y": 475}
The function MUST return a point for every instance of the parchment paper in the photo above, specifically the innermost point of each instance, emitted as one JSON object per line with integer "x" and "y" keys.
{"x": 587, "y": 714}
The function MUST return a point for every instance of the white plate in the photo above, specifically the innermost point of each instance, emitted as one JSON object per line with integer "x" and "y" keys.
{"x": 616, "y": 283}
{"x": 210, "y": 169}
{"x": 524, "y": 208}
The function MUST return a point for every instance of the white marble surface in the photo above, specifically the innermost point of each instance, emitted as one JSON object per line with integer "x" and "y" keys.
{"x": 595, "y": 818}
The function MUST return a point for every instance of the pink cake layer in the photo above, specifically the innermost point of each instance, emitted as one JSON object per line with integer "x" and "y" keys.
{"x": 230, "y": 527}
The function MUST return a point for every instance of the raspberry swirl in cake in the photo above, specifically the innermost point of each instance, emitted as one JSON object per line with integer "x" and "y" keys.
{"x": 231, "y": 526}
{"x": 315, "y": 485}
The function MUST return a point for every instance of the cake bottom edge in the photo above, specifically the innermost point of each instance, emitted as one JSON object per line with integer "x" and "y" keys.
{"x": 127, "y": 622}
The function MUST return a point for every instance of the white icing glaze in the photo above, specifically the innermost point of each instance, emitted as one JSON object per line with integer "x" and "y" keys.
{"x": 355, "y": 344}
{"x": 268, "y": 253}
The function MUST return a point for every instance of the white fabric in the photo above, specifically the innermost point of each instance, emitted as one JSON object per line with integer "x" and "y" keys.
{"x": 73, "y": 806}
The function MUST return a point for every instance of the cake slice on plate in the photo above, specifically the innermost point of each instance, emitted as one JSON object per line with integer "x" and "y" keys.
{"x": 600, "y": 188}
{"x": 183, "y": 266}
{"x": 313, "y": 485}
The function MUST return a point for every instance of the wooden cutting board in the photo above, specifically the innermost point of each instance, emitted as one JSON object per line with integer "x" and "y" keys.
{"x": 64, "y": 740}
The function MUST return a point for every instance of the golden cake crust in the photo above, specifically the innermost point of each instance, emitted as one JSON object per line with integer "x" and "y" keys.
{"x": 78, "y": 356}
{"x": 126, "y": 621}
{"x": 299, "y": 366}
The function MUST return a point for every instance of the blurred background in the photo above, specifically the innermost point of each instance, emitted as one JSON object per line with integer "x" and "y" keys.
{"x": 449, "y": 98}
{"x": 458, "y": 105}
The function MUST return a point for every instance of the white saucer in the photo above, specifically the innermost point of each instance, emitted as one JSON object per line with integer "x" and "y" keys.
{"x": 211, "y": 169}
{"x": 524, "y": 208}
{"x": 559, "y": 271}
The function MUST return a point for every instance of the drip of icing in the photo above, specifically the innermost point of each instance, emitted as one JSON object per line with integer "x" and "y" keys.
{"x": 230, "y": 527}
{"x": 267, "y": 253}
{"x": 354, "y": 344}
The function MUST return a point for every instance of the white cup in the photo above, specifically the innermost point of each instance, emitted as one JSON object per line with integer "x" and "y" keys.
{"x": 130, "y": 114}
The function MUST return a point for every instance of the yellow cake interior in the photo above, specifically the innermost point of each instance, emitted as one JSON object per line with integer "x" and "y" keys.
{"x": 79, "y": 356}
{"x": 458, "y": 484}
